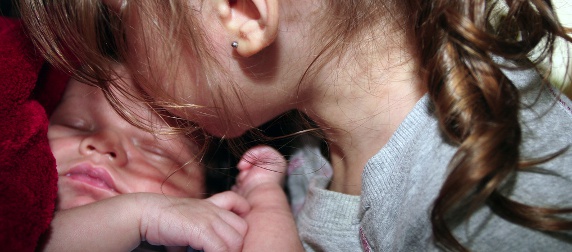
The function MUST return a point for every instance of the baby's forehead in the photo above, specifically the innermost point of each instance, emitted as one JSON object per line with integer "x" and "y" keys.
{"x": 124, "y": 99}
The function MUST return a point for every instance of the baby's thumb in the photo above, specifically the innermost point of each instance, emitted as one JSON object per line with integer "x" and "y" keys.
{"x": 262, "y": 156}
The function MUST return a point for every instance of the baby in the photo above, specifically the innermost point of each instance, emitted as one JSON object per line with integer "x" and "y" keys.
{"x": 100, "y": 155}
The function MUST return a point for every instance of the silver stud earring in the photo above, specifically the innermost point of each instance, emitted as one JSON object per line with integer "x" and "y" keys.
{"x": 234, "y": 44}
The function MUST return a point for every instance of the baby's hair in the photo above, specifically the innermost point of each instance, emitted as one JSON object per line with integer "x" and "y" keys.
{"x": 455, "y": 43}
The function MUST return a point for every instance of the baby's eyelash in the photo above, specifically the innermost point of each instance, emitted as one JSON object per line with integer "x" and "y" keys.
{"x": 82, "y": 125}
{"x": 75, "y": 123}
{"x": 154, "y": 150}
{"x": 150, "y": 148}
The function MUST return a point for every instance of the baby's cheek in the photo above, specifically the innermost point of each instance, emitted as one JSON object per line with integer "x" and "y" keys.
{"x": 65, "y": 151}
{"x": 187, "y": 186}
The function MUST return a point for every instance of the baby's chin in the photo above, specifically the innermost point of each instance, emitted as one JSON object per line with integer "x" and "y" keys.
{"x": 71, "y": 196}
{"x": 67, "y": 203}
{"x": 73, "y": 193}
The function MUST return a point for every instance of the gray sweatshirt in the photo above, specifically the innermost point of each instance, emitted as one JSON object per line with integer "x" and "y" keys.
{"x": 400, "y": 183}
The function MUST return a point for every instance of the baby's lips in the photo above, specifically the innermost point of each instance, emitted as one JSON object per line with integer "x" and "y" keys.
{"x": 94, "y": 176}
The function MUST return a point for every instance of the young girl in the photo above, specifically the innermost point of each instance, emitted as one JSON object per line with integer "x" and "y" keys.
{"x": 441, "y": 133}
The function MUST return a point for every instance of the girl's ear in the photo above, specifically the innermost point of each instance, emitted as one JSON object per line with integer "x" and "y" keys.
{"x": 253, "y": 23}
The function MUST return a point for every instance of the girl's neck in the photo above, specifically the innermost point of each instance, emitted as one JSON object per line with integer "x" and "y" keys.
{"x": 359, "y": 103}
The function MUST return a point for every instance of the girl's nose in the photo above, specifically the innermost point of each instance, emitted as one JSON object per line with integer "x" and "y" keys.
{"x": 104, "y": 144}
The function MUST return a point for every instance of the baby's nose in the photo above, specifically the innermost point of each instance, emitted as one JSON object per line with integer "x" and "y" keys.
{"x": 106, "y": 144}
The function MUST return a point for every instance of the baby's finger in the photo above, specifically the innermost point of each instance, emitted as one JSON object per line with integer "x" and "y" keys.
{"x": 231, "y": 201}
{"x": 235, "y": 203}
{"x": 212, "y": 239}
{"x": 233, "y": 238}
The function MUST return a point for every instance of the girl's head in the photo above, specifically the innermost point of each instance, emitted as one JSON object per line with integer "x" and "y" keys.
{"x": 99, "y": 154}
{"x": 183, "y": 59}
{"x": 182, "y": 56}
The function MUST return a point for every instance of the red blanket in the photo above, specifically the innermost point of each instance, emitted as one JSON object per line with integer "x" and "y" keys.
{"x": 28, "y": 176}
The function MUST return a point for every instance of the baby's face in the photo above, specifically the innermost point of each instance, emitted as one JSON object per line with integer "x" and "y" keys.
{"x": 100, "y": 155}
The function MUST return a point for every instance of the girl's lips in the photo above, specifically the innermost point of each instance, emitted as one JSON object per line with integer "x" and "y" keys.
{"x": 93, "y": 176}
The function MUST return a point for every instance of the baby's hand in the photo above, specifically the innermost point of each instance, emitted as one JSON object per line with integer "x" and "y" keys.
{"x": 271, "y": 226}
{"x": 260, "y": 166}
{"x": 212, "y": 224}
